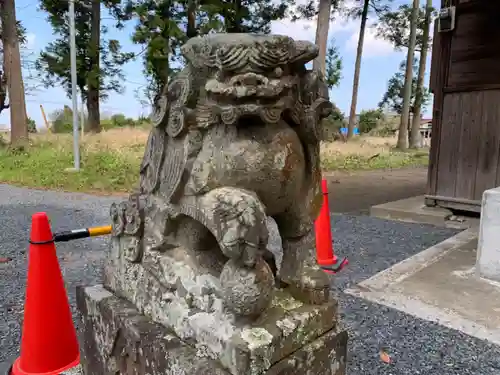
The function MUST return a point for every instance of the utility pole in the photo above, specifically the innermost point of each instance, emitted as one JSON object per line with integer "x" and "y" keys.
{"x": 47, "y": 125}
{"x": 12, "y": 64}
{"x": 74, "y": 93}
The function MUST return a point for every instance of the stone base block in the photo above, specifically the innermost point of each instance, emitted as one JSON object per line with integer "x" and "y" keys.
{"x": 117, "y": 339}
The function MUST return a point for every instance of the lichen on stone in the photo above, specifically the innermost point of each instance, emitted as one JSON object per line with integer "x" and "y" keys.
{"x": 287, "y": 326}
{"x": 286, "y": 302}
{"x": 256, "y": 337}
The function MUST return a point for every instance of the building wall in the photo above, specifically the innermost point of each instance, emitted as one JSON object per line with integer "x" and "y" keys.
{"x": 475, "y": 52}
{"x": 465, "y": 80}
{"x": 469, "y": 144}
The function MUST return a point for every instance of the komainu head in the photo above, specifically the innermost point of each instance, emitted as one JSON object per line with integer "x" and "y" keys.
{"x": 242, "y": 76}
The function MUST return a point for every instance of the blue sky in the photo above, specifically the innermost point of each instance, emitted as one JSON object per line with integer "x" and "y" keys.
{"x": 379, "y": 63}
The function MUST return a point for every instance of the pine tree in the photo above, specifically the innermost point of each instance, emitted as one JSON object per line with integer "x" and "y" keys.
{"x": 99, "y": 60}
{"x": 12, "y": 74}
{"x": 21, "y": 35}
{"x": 163, "y": 26}
{"x": 394, "y": 95}
{"x": 379, "y": 7}
{"x": 393, "y": 26}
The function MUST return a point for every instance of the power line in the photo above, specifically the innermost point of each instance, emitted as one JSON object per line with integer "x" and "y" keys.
{"x": 135, "y": 83}
{"x": 27, "y": 6}
{"x": 103, "y": 107}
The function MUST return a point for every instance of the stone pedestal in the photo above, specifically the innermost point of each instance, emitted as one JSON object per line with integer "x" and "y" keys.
{"x": 290, "y": 339}
{"x": 488, "y": 249}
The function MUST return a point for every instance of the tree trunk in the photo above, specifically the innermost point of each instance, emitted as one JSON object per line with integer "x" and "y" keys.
{"x": 405, "y": 114}
{"x": 191, "y": 19}
{"x": 24, "y": 104}
{"x": 408, "y": 125}
{"x": 3, "y": 73}
{"x": 415, "y": 128}
{"x": 233, "y": 23}
{"x": 93, "y": 82}
{"x": 323, "y": 25}
{"x": 357, "y": 70}
{"x": 3, "y": 89}
{"x": 12, "y": 65}
{"x": 84, "y": 125}
{"x": 94, "y": 118}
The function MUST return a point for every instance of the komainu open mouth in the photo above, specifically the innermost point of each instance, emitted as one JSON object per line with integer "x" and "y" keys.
{"x": 249, "y": 85}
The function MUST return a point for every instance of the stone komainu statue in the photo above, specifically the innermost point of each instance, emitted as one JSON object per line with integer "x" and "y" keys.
{"x": 235, "y": 140}
{"x": 190, "y": 286}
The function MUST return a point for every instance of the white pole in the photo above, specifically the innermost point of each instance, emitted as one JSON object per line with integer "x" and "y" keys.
{"x": 74, "y": 94}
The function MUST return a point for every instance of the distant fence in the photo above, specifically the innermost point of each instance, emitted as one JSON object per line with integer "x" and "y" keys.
{"x": 344, "y": 131}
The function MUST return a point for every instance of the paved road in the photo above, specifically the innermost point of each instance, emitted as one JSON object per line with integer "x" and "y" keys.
{"x": 356, "y": 192}
{"x": 416, "y": 346}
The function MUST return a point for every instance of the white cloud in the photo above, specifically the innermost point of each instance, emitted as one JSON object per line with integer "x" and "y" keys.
{"x": 30, "y": 40}
{"x": 299, "y": 30}
{"x": 306, "y": 30}
{"x": 372, "y": 45}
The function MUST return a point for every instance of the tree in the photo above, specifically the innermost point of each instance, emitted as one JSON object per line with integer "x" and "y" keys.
{"x": 158, "y": 31}
{"x": 21, "y": 35}
{"x": 333, "y": 66}
{"x": 26, "y": 64}
{"x": 394, "y": 96}
{"x": 369, "y": 119}
{"x": 99, "y": 61}
{"x": 323, "y": 10}
{"x": 246, "y": 16}
{"x": 3, "y": 91}
{"x": 414, "y": 134}
{"x": 163, "y": 26}
{"x": 394, "y": 26}
{"x": 12, "y": 70}
{"x": 31, "y": 126}
{"x": 93, "y": 77}
{"x": 322, "y": 28}
{"x": 378, "y": 7}
{"x": 405, "y": 115}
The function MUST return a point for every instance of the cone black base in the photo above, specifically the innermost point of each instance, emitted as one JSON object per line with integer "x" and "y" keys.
{"x": 335, "y": 267}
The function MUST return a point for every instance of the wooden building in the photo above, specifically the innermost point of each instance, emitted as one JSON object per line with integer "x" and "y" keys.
{"x": 465, "y": 80}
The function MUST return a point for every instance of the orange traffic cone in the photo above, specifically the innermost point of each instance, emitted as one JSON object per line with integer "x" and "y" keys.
{"x": 49, "y": 343}
{"x": 324, "y": 243}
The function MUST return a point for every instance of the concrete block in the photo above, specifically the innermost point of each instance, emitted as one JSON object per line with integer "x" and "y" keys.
{"x": 488, "y": 250}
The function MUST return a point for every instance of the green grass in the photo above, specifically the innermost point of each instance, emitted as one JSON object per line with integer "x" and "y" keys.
{"x": 106, "y": 171}
{"x": 393, "y": 159}
{"x": 43, "y": 166}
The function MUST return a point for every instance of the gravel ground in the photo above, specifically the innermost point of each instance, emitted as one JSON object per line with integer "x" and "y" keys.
{"x": 416, "y": 346}
{"x": 80, "y": 260}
